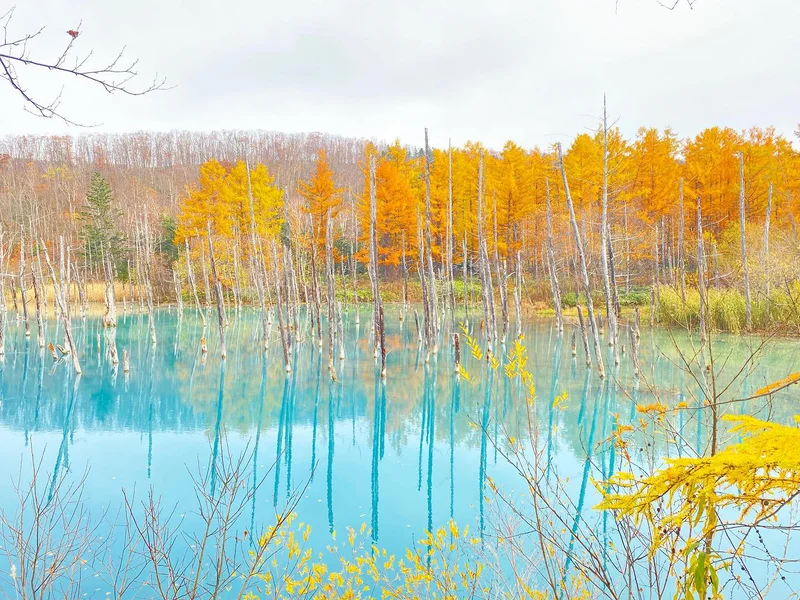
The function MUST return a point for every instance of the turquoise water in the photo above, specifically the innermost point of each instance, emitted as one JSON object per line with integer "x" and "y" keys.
{"x": 400, "y": 457}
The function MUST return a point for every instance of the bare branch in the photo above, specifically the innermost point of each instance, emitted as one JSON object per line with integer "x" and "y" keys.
{"x": 114, "y": 76}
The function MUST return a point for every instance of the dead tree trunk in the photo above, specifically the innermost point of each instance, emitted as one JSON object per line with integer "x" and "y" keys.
{"x": 373, "y": 255}
{"x": 748, "y": 308}
{"x": 451, "y": 282}
{"x": 285, "y": 341}
{"x": 38, "y": 293}
{"x": 627, "y": 252}
{"x": 404, "y": 267}
{"x": 604, "y": 242}
{"x": 681, "y": 259}
{"x": 656, "y": 282}
{"x": 14, "y": 297}
{"x": 2, "y": 293}
{"x": 612, "y": 273}
{"x": 483, "y": 264}
{"x": 293, "y": 292}
{"x": 317, "y": 304}
{"x": 584, "y": 273}
{"x": 500, "y": 274}
{"x": 193, "y": 283}
{"x": 432, "y": 311}
{"x": 766, "y": 241}
{"x": 237, "y": 291}
{"x": 205, "y": 275}
{"x": 701, "y": 273}
{"x": 551, "y": 262}
{"x": 22, "y": 288}
{"x": 464, "y": 268}
{"x": 518, "y": 294}
{"x": 178, "y": 292}
{"x": 354, "y": 266}
{"x": 382, "y": 336}
{"x": 217, "y": 294}
{"x": 110, "y": 317}
{"x": 148, "y": 286}
{"x": 258, "y": 265}
{"x": 584, "y": 336}
{"x": 84, "y": 301}
{"x": 331, "y": 274}
{"x": 63, "y": 306}
{"x": 426, "y": 321}
{"x": 340, "y": 333}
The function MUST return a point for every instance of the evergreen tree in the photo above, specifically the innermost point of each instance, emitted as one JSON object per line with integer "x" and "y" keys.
{"x": 99, "y": 223}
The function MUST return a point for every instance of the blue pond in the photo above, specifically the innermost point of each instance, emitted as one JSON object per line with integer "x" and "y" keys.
{"x": 402, "y": 456}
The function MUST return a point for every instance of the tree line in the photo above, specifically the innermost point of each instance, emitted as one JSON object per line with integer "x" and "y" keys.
{"x": 182, "y": 180}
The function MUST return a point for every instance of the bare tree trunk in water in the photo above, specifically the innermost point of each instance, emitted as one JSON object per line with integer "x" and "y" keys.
{"x": 223, "y": 349}
{"x": 432, "y": 297}
{"x": 38, "y": 292}
{"x": 317, "y": 305}
{"x": 501, "y": 280}
{"x": 465, "y": 268}
{"x": 192, "y": 283}
{"x": 584, "y": 335}
{"x": 487, "y": 291}
{"x": 373, "y": 256}
{"x": 237, "y": 292}
{"x": 404, "y": 266}
{"x": 110, "y": 317}
{"x": 551, "y": 262}
{"x": 605, "y": 242}
{"x": 293, "y": 291}
{"x": 584, "y": 273}
{"x": 63, "y": 308}
{"x": 22, "y": 287}
{"x": 205, "y": 275}
{"x": 450, "y": 276}
{"x": 178, "y": 292}
{"x": 330, "y": 272}
{"x": 279, "y": 308}
{"x": 681, "y": 257}
{"x": 627, "y": 254}
{"x": 656, "y": 283}
{"x": 354, "y": 268}
{"x": 748, "y": 308}
{"x": 518, "y": 294}
{"x": 766, "y": 241}
{"x": 257, "y": 265}
{"x": 701, "y": 273}
{"x": 148, "y": 287}
{"x": 3, "y": 310}
{"x": 382, "y": 334}
{"x": 423, "y": 282}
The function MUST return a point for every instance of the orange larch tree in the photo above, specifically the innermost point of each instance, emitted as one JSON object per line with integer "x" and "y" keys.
{"x": 323, "y": 199}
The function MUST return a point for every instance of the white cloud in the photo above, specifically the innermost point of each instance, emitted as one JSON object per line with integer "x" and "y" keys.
{"x": 529, "y": 70}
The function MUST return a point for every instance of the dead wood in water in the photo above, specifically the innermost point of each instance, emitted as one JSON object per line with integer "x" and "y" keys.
{"x": 584, "y": 275}
{"x": 223, "y": 349}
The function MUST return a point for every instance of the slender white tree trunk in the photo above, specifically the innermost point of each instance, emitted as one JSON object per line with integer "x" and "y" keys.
{"x": 766, "y": 240}
{"x": 748, "y": 308}
{"x": 681, "y": 259}
{"x": 551, "y": 261}
{"x": 584, "y": 273}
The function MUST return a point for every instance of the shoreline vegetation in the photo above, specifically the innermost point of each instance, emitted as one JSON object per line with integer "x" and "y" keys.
{"x": 777, "y": 315}
{"x": 609, "y": 235}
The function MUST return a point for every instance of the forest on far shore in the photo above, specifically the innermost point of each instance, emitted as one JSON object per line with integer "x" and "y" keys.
{"x": 181, "y": 181}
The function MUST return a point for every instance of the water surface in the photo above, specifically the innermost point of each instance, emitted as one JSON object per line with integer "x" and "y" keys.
{"x": 401, "y": 456}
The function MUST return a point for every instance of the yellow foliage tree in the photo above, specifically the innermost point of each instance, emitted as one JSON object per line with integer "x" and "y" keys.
{"x": 222, "y": 199}
{"x": 323, "y": 199}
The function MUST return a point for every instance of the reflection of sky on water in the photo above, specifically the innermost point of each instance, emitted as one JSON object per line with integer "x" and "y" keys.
{"x": 402, "y": 457}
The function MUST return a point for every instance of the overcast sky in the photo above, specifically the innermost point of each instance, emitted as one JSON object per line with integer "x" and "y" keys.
{"x": 529, "y": 70}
